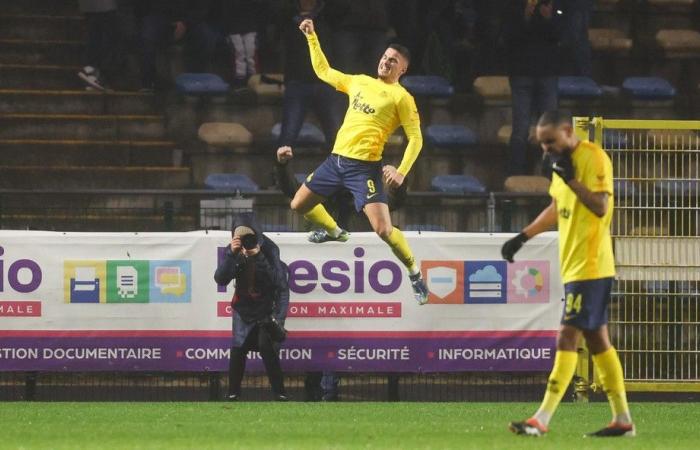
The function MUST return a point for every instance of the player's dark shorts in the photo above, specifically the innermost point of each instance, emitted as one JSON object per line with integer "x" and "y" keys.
{"x": 586, "y": 303}
{"x": 362, "y": 178}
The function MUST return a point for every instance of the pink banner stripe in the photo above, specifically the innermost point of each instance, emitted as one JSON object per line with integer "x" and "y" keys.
{"x": 294, "y": 334}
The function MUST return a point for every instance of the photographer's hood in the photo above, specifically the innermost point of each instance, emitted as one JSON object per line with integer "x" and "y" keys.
{"x": 247, "y": 220}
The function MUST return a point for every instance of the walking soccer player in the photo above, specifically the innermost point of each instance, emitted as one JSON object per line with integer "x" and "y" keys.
{"x": 377, "y": 106}
{"x": 582, "y": 206}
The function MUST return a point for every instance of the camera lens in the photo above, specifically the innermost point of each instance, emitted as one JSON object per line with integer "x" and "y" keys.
{"x": 249, "y": 241}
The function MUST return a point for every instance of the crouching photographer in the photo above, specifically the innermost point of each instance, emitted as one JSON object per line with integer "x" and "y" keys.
{"x": 260, "y": 302}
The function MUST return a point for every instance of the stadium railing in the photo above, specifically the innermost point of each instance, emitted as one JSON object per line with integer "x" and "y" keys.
{"x": 186, "y": 210}
{"x": 212, "y": 386}
{"x": 655, "y": 309}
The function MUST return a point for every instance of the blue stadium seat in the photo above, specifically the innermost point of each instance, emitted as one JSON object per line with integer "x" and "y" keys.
{"x": 450, "y": 136}
{"x": 428, "y": 86}
{"x": 457, "y": 184}
{"x": 201, "y": 84}
{"x": 678, "y": 187}
{"x": 578, "y": 88}
{"x": 649, "y": 88}
{"x": 624, "y": 188}
{"x": 423, "y": 227}
{"x": 230, "y": 182}
{"x": 309, "y": 134}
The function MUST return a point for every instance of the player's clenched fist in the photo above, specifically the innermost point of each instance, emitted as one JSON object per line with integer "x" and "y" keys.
{"x": 284, "y": 154}
{"x": 307, "y": 26}
{"x": 392, "y": 177}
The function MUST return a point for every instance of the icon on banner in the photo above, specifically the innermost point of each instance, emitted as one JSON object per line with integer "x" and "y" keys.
{"x": 445, "y": 280}
{"x": 85, "y": 287}
{"x": 127, "y": 282}
{"x": 442, "y": 281}
{"x": 171, "y": 281}
{"x": 528, "y": 282}
{"x": 485, "y": 282}
{"x": 84, "y": 281}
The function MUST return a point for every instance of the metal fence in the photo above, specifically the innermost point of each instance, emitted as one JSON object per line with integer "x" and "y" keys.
{"x": 654, "y": 315}
{"x": 212, "y": 386}
{"x": 186, "y": 210}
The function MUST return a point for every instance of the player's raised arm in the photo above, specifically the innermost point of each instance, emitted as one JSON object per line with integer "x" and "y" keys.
{"x": 323, "y": 70}
{"x": 410, "y": 121}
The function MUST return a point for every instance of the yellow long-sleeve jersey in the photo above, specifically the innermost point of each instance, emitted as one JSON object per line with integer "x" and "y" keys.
{"x": 585, "y": 246}
{"x": 374, "y": 112}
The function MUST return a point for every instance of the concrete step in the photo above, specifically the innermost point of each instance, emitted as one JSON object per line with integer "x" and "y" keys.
{"x": 37, "y": 27}
{"x": 62, "y": 153}
{"x": 93, "y": 177}
{"x": 76, "y": 102}
{"x": 94, "y": 221}
{"x": 28, "y": 76}
{"x": 81, "y": 127}
{"x": 42, "y": 7}
{"x": 41, "y": 52}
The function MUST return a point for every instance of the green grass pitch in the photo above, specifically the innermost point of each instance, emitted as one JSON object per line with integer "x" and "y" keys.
{"x": 328, "y": 426}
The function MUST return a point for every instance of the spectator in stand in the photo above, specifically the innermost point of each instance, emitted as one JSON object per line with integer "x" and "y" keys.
{"x": 204, "y": 33}
{"x": 163, "y": 22}
{"x": 243, "y": 19}
{"x": 404, "y": 17}
{"x": 359, "y": 34}
{"x": 487, "y": 58}
{"x": 577, "y": 14}
{"x": 532, "y": 31}
{"x": 103, "y": 42}
{"x": 302, "y": 88}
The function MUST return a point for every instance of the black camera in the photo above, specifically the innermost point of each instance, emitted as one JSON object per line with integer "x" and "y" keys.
{"x": 249, "y": 241}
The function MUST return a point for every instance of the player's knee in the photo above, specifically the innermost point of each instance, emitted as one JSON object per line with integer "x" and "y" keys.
{"x": 295, "y": 205}
{"x": 384, "y": 230}
{"x": 597, "y": 340}
{"x": 568, "y": 339}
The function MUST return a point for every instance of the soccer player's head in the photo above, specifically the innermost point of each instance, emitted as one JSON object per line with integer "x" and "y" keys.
{"x": 393, "y": 63}
{"x": 555, "y": 132}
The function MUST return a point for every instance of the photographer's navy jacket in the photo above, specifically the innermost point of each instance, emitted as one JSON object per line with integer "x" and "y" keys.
{"x": 267, "y": 295}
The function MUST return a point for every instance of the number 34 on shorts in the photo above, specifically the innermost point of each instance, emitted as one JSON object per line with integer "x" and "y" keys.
{"x": 586, "y": 303}
{"x": 573, "y": 305}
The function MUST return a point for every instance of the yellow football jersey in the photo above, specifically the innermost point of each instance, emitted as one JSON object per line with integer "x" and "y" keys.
{"x": 374, "y": 112}
{"x": 585, "y": 246}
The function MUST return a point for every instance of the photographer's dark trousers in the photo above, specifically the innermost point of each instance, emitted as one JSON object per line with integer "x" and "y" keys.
{"x": 259, "y": 340}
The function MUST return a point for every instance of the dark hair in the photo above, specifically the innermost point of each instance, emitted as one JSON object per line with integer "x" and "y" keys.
{"x": 403, "y": 50}
{"x": 554, "y": 117}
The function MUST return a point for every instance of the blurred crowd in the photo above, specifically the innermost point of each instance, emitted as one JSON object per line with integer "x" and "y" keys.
{"x": 457, "y": 39}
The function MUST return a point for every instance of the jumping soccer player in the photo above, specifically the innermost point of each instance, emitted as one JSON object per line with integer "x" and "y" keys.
{"x": 582, "y": 206}
{"x": 377, "y": 106}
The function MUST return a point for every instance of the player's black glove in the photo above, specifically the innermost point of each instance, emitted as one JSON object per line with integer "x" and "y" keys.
{"x": 563, "y": 166}
{"x": 511, "y": 246}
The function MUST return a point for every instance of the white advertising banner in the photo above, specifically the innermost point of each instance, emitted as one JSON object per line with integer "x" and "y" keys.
{"x": 125, "y": 301}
